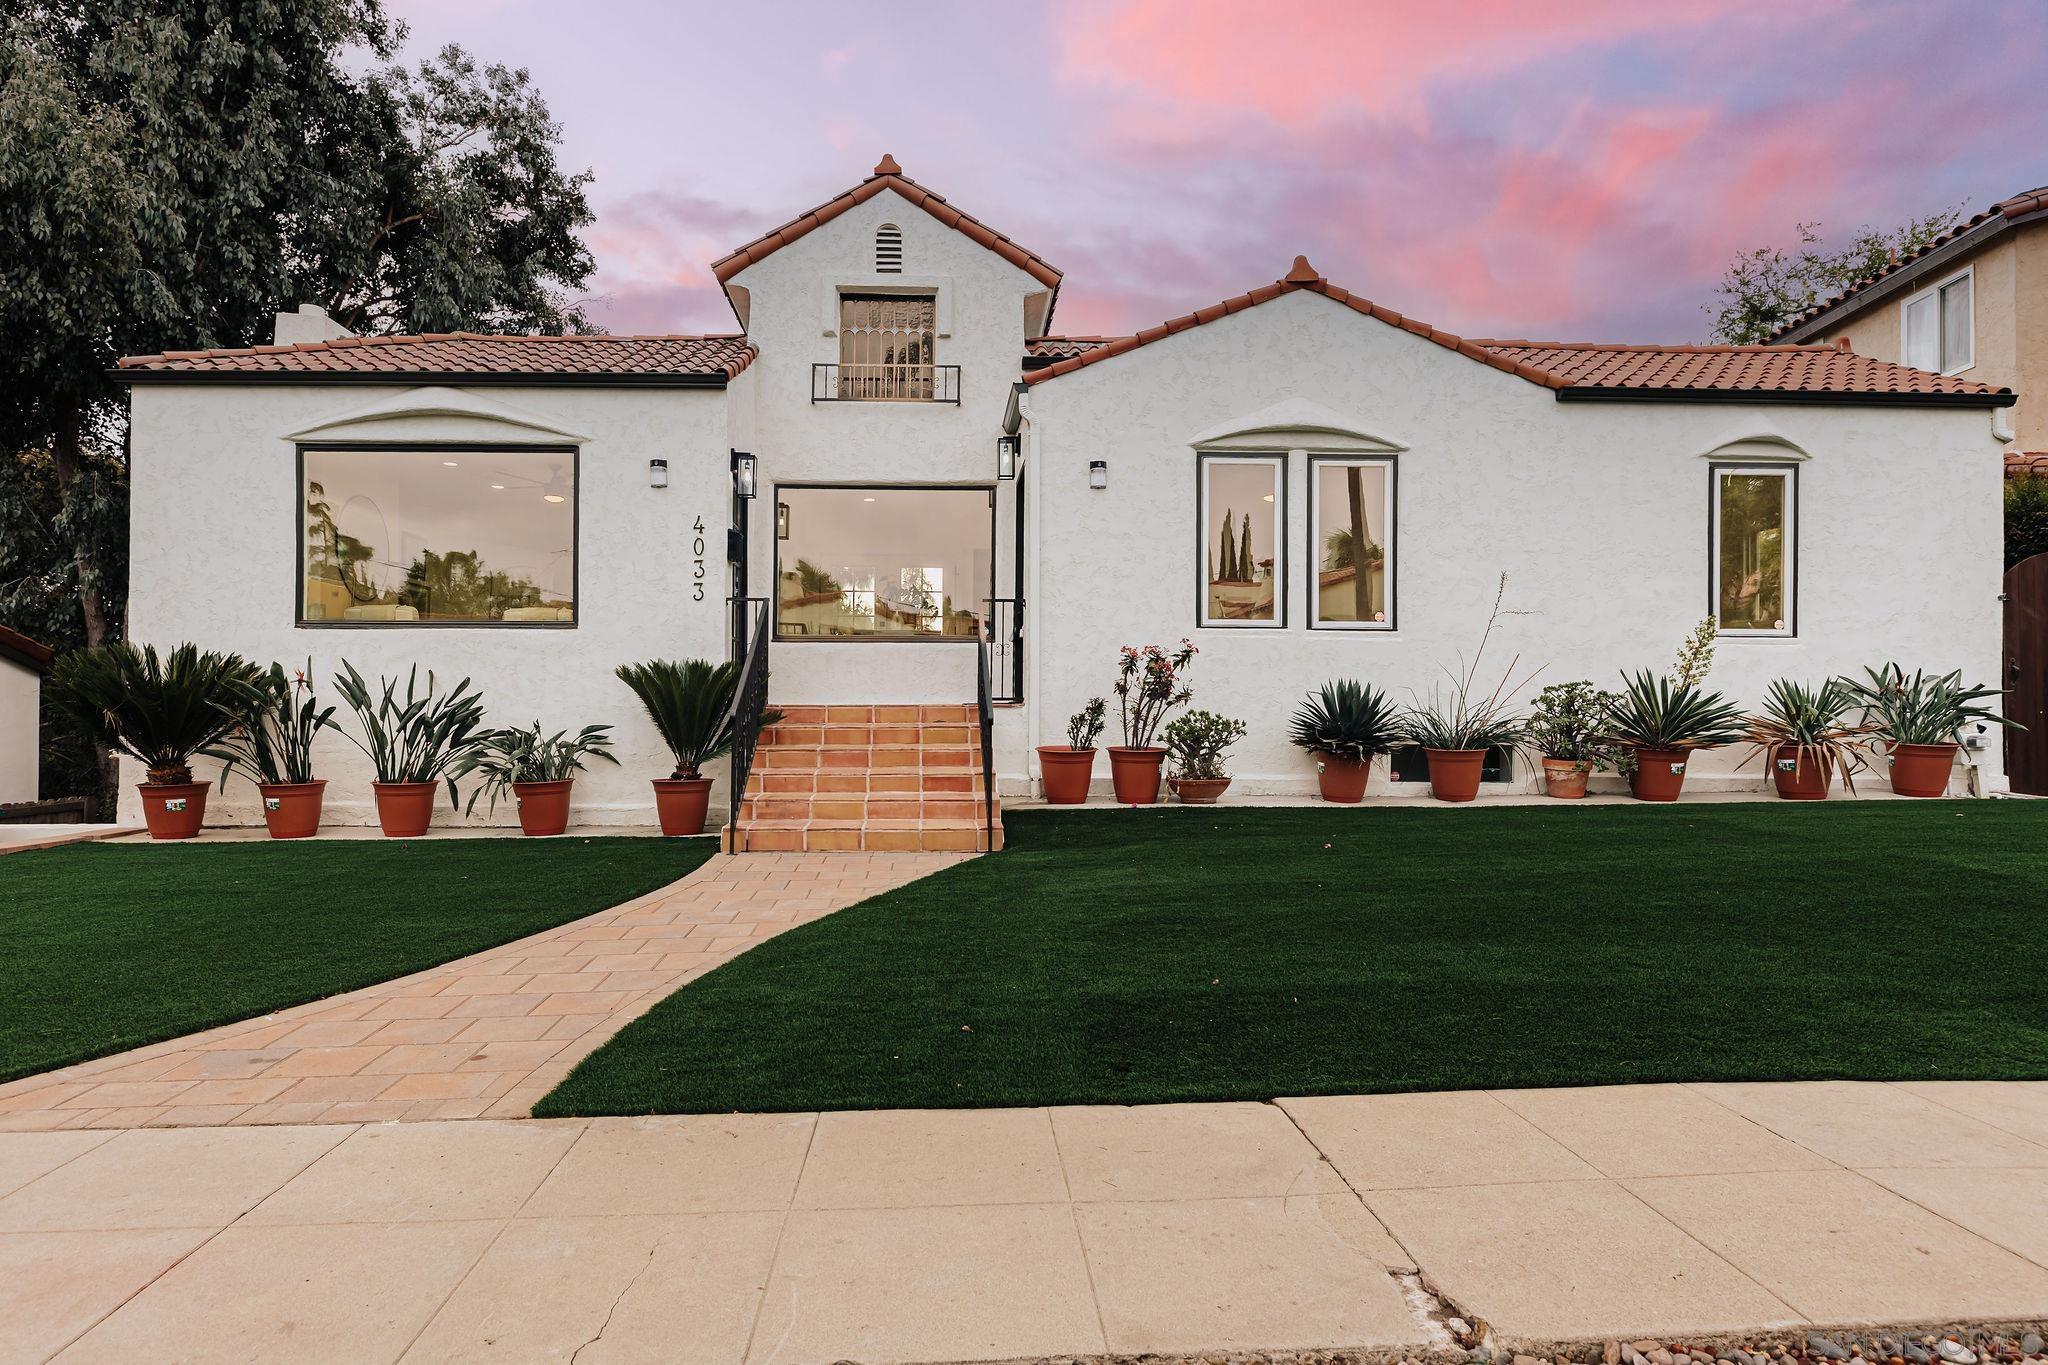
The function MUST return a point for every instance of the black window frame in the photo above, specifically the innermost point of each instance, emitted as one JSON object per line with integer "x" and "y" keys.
{"x": 1315, "y": 573}
{"x": 1282, "y": 549}
{"x": 1790, "y": 470}
{"x": 775, "y": 634}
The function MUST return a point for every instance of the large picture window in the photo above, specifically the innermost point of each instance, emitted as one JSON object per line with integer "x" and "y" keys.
{"x": 1243, "y": 513}
{"x": 437, "y": 536}
{"x": 1754, "y": 522}
{"x": 1351, "y": 513}
{"x": 882, "y": 563}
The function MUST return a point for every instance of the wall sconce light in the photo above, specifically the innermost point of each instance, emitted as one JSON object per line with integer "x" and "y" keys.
{"x": 1098, "y": 473}
{"x": 743, "y": 473}
{"x": 657, "y": 473}
{"x": 782, "y": 521}
{"x": 1006, "y": 456}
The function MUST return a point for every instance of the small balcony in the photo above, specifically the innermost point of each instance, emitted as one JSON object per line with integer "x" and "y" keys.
{"x": 885, "y": 384}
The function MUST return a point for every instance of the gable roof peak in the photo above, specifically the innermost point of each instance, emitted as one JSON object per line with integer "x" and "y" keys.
{"x": 887, "y": 166}
{"x": 1302, "y": 273}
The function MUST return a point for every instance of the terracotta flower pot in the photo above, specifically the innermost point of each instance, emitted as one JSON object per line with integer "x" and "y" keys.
{"x": 1922, "y": 769}
{"x": 291, "y": 809}
{"x": 543, "y": 806}
{"x": 1135, "y": 774}
{"x": 1342, "y": 780}
{"x": 1064, "y": 773}
{"x": 1800, "y": 774}
{"x": 1454, "y": 773}
{"x": 1565, "y": 778}
{"x": 173, "y": 810}
{"x": 405, "y": 809}
{"x": 1198, "y": 791}
{"x": 1659, "y": 774}
{"x": 680, "y": 803}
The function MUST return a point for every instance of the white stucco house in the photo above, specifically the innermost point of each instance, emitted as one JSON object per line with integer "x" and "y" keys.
{"x": 927, "y": 459}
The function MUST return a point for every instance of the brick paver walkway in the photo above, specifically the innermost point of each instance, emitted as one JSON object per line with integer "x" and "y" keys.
{"x": 484, "y": 1036}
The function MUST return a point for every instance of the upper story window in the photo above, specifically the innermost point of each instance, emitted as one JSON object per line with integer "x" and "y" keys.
{"x": 1939, "y": 331}
{"x": 437, "y": 535}
{"x": 888, "y": 250}
{"x": 885, "y": 348}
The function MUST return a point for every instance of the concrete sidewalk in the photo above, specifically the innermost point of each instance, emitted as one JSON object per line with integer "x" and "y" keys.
{"x": 992, "y": 1234}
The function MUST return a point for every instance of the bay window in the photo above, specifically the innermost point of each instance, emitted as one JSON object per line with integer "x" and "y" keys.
{"x": 1753, "y": 523}
{"x": 1351, "y": 545}
{"x": 1242, "y": 520}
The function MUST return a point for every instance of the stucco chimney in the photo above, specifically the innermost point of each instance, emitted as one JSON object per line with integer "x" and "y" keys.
{"x": 310, "y": 323}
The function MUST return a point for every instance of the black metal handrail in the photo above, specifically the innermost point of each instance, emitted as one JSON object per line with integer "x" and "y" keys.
{"x": 986, "y": 706}
{"x": 750, "y": 697}
{"x": 1006, "y": 638}
{"x": 832, "y": 383}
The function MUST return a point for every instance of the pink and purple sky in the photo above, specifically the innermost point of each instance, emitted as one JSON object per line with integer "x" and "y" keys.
{"x": 1497, "y": 167}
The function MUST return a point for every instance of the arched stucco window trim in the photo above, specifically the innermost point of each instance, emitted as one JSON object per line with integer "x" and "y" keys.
{"x": 1295, "y": 424}
{"x": 438, "y": 413}
{"x": 1757, "y": 448}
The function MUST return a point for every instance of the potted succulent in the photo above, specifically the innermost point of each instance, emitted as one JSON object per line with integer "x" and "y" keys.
{"x": 1148, "y": 685}
{"x": 274, "y": 745}
{"x": 1659, "y": 722}
{"x": 1805, "y": 736}
{"x": 538, "y": 770}
{"x": 412, "y": 745}
{"x": 1564, "y": 730}
{"x": 1920, "y": 721}
{"x": 1457, "y": 726}
{"x": 160, "y": 712}
{"x": 1342, "y": 727}
{"x": 1065, "y": 770}
{"x": 690, "y": 702}
{"x": 1197, "y": 741}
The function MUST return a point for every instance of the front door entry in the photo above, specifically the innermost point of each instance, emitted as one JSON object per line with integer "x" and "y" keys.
{"x": 2026, "y": 674}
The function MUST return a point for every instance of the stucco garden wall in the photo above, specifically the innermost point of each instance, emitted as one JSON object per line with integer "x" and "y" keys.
{"x": 1597, "y": 512}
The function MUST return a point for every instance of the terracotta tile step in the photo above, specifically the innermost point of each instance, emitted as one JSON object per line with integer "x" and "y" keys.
{"x": 755, "y": 839}
{"x": 957, "y": 713}
{"x": 869, "y": 736}
{"x": 854, "y": 781}
{"x": 874, "y": 807}
{"x": 905, "y": 759}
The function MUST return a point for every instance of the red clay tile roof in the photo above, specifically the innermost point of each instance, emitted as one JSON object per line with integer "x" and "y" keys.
{"x": 1060, "y": 348}
{"x": 887, "y": 176}
{"x": 1594, "y": 370}
{"x": 2026, "y": 463}
{"x": 468, "y": 357}
{"x": 24, "y": 651}
{"x": 2019, "y": 206}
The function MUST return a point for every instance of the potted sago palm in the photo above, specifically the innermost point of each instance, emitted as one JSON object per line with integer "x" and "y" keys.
{"x": 160, "y": 712}
{"x": 1343, "y": 726}
{"x": 1564, "y": 731}
{"x": 1065, "y": 770}
{"x": 1806, "y": 737}
{"x": 274, "y": 746}
{"x": 690, "y": 702}
{"x": 1196, "y": 742}
{"x": 539, "y": 770}
{"x": 1919, "y": 721}
{"x": 413, "y": 745}
{"x": 1459, "y": 724}
{"x": 1150, "y": 682}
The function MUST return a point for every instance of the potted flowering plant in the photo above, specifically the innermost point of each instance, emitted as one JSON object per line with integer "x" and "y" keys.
{"x": 538, "y": 771}
{"x": 1564, "y": 730}
{"x": 690, "y": 702}
{"x": 413, "y": 745}
{"x": 1197, "y": 741}
{"x": 1804, "y": 734}
{"x": 1148, "y": 685}
{"x": 1342, "y": 727}
{"x": 1457, "y": 726}
{"x": 1920, "y": 722}
{"x": 274, "y": 744}
{"x": 1065, "y": 770}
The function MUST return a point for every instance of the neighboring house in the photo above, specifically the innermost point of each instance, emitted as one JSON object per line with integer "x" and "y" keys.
{"x": 23, "y": 665}
{"x": 530, "y": 512}
{"x": 1973, "y": 303}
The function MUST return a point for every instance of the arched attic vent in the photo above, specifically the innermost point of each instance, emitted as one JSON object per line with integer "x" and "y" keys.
{"x": 888, "y": 250}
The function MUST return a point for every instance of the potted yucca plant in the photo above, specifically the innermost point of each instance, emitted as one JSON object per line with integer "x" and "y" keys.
{"x": 1150, "y": 682}
{"x": 690, "y": 702}
{"x": 413, "y": 745}
{"x": 1196, "y": 742}
{"x": 274, "y": 746}
{"x": 539, "y": 770}
{"x": 160, "y": 712}
{"x": 1459, "y": 725}
{"x": 1343, "y": 726}
{"x": 1659, "y": 723}
{"x": 1920, "y": 721}
{"x": 1065, "y": 770}
{"x": 1806, "y": 736}
{"x": 1564, "y": 730}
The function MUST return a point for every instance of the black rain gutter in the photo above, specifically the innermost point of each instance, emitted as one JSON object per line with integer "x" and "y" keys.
{"x": 404, "y": 378}
{"x": 1883, "y": 398}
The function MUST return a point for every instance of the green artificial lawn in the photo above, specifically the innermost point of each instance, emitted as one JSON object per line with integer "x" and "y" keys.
{"x": 1190, "y": 954}
{"x": 110, "y": 946}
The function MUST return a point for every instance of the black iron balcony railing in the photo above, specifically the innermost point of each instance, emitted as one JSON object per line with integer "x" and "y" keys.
{"x": 1006, "y": 649}
{"x": 885, "y": 384}
{"x": 750, "y": 698}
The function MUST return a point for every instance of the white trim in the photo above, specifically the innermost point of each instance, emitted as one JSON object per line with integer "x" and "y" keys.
{"x": 1283, "y": 424}
{"x": 1277, "y": 462}
{"x": 1967, "y": 272}
{"x": 1788, "y": 552}
{"x": 434, "y": 401}
{"x": 1315, "y": 541}
{"x": 1757, "y": 448}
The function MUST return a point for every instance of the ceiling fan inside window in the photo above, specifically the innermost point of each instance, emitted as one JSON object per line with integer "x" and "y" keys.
{"x": 555, "y": 488}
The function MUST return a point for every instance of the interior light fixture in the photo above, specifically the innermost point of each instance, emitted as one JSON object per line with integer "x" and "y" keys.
{"x": 450, "y": 463}
{"x": 1098, "y": 473}
{"x": 552, "y": 497}
{"x": 1269, "y": 497}
{"x": 499, "y": 486}
{"x": 867, "y": 499}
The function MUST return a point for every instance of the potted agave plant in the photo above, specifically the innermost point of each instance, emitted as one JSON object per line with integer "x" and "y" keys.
{"x": 1459, "y": 725}
{"x": 1196, "y": 742}
{"x": 1342, "y": 726}
{"x": 413, "y": 745}
{"x": 1148, "y": 685}
{"x": 538, "y": 770}
{"x": 690, "y": 702}
{"x": 1804, "y": 734}
{"x": 160, "y": 712}
{"x": 1659, "y": 723}
{"x": 1065, "y": 770}
{"x": 1920, "y": 721}
{"x": 1564, "y": 730}
{"x": 274, "y": 745}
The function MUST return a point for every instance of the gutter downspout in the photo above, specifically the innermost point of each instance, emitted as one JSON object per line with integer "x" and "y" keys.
{"x": 1022, "y": 420}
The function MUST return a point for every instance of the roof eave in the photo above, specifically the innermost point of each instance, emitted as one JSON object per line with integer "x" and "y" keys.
{"x": 1882, "y": 398}
{"x": 1905, "y": 277}
{"x": 450, "y": 378}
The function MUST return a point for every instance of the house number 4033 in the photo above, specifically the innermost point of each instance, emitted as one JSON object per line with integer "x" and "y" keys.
{"x": 697, "y": 549}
